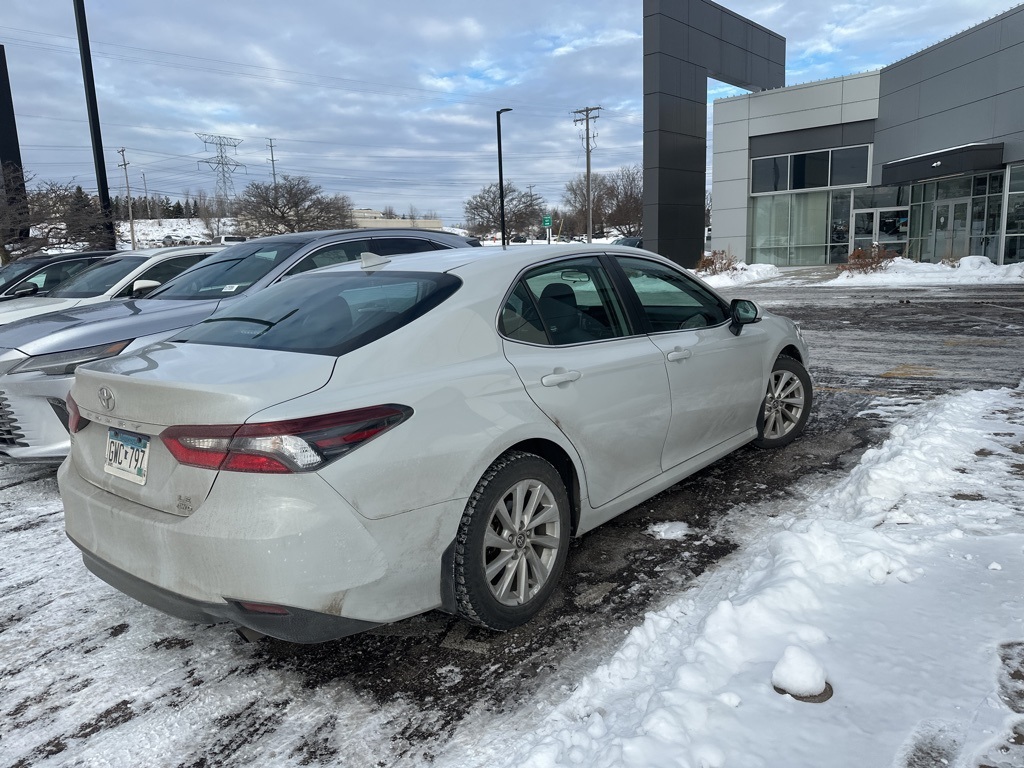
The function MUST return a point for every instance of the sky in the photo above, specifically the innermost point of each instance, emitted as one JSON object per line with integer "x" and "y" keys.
{"x": 392, "y": 104}
{"x": 897, "y": 581}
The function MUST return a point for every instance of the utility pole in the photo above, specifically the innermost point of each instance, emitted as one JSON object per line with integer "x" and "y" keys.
{"x": 128, "y": 192}
{"x": 590, "y": 202}
{"x": 94, "y": 123}
{"x": 273, "y": 164}
{"x": 145, "y": 188}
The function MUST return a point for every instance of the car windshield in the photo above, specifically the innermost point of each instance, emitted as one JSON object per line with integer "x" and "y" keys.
{"x": 97, "y": 279}
{"x": 227, "y": 274}
{"x": 325, "y": 313}
{"x": 14, "y": 271}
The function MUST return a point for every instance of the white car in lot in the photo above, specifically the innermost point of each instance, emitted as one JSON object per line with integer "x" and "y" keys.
{"x": 362, "y": 443}
{"x": 122, "y": 276}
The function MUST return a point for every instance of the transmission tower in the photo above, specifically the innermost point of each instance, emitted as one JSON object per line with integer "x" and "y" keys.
{"x": 224, "y": 165}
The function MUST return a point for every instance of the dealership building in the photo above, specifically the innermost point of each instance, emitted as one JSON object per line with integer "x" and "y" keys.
{"x": 924, "y": 157}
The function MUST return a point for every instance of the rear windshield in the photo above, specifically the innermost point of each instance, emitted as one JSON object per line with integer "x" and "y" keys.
{"x": 97, "y": 279}
{"x": 228, "y": 274}
{"x": 325, "y": 313}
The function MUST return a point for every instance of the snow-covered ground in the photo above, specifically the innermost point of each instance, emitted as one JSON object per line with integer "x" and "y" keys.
{"x": 898, "y": 587}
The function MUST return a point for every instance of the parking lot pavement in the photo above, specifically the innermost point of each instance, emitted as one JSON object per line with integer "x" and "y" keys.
{"x": 873, "y": 352}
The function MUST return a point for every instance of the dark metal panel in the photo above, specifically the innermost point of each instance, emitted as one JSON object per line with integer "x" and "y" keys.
{"x": 811, "y": 139}
{"x": 958, "y": 160}
{"x": 684, "y": 42}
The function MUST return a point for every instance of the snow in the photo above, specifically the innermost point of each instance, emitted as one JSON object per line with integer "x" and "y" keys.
{"x": 881, "y": 579}
{"x": 968, "y": 270}
{"x": 899, "y": 584}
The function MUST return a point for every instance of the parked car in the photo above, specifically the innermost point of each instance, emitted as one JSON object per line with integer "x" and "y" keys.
{"x": 38, "y": 357}
{"x": 38, "y": 274}
{"x": 228, "y": 239}
{"x": 632, "y": 242}
{"x": 363, "y": 443}
{"x": 124, "y": 275}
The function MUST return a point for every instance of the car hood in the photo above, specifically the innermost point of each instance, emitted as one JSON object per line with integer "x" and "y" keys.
{"x": 30, "y": 306}
{"x": 101, "y": 324}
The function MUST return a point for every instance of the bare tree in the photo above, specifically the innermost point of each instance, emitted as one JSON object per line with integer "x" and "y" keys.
{"x": 294, "y": 204}
{"x": 49, "y": 215}
{"x": 523, "y": 210}
{"x": 625, "y": 191}
{"x": 575, "y": 199}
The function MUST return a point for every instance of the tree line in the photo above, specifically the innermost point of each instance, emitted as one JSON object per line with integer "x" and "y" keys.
{"x": 50, "y": 214}
{"x": 617, "y": 203}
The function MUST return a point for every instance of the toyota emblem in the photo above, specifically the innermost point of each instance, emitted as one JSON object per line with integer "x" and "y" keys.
{"x": 106, "y": 398}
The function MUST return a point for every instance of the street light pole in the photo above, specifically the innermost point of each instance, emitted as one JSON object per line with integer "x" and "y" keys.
{"x": 501, "y": 178}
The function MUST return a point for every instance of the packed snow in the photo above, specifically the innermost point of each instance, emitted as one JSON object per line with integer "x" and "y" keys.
{"x": 968, "y": 270}
{"x": 902, "y": 580}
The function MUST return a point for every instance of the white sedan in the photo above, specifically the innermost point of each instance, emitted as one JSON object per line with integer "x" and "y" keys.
{"x": 367, "y": 442}
{"x": 126, "y": 275}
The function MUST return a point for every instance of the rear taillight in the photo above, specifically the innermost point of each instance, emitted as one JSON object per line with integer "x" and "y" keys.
{"x": 75, "y": 420}
{"x": 279, "y": 447}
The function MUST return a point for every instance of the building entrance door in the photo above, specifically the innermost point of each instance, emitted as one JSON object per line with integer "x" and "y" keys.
{"x": 950, "y": 225}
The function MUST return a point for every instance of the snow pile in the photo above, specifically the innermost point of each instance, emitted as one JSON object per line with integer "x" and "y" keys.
{"x": 969, "y": 270}
{"x": 884, "y": 580}
{"x": 740, "y": 274}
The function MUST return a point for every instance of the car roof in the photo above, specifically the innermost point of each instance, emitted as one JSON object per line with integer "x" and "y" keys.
{"x": 512, "y": 259}
{"x": 52, "y": 258}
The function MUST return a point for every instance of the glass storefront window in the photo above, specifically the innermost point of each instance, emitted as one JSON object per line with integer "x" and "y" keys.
{"x": 880, "y": 197}
{"x": 980, "y": 185}
{"x": 839, "y": 227}
{"x": 849, "y": 166}
{"x": 769, "y": 174}
{"x": 950, "y": 189}
{"x": 809, "y": 170}
{"x": 994, "y": 214}
{"x": 995, "y": 183}
{"x": 1016, "y": 178}
{"x": 809, "y": 222}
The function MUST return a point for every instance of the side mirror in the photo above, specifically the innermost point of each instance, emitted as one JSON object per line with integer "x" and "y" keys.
{"x": 142, "y": 287}
{"x": 743, "y": 312}
{"x": 28, "y": 289}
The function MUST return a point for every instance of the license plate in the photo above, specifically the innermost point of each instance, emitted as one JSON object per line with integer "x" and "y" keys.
{"x": 127, "y": 455}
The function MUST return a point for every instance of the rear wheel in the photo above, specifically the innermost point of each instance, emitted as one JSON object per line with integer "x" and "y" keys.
{"x": 786, "y": 405}
{"x": 512, "y": 542}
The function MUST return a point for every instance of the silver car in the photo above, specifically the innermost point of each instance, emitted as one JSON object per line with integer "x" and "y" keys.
{"x": 364, "y": 443}
{"x": 38, "y": 357}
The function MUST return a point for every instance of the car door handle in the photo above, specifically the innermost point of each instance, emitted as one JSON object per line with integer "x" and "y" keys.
{"x": 559, "y": 377}
{"x": 678, "y": 354}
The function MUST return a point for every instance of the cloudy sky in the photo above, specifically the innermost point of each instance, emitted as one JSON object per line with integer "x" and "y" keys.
{"x": 392, "y": 103}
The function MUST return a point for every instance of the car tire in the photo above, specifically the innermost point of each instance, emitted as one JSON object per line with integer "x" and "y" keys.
{"x": 512, "y": 542}
{"x": 786, "y": 405}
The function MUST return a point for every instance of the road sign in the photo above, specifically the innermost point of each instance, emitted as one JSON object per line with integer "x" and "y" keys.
{"x": 546, "y": 222}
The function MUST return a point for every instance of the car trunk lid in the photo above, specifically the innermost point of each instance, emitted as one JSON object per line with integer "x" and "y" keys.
{"x": 128, "y": 401}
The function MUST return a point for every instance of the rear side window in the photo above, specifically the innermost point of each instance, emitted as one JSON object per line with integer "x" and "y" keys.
{"x": 567, "y": 302}
{"x": 98, "y": 279}
{"x": 325, "y": 313}
{"x": 218, "y": 278}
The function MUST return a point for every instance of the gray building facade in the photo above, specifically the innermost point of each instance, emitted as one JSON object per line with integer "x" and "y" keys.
{"x": 923, "y": 158}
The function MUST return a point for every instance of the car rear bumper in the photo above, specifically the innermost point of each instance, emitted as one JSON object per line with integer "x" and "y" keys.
{"x": 284, "y": 540}
{"x": 296, "y": 626}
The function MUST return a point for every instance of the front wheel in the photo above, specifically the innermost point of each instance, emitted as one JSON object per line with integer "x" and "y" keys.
{"x": 786, "y": 405}
{"x": 512, "y": 542}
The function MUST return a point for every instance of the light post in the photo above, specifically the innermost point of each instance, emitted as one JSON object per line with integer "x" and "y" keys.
{"x": 501, "y": 178}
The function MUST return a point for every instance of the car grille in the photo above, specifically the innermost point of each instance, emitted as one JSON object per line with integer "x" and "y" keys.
{"x": 10, "y": 432}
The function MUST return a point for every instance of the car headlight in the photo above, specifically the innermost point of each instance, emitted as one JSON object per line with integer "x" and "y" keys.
{"x": 64, "y": 363}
